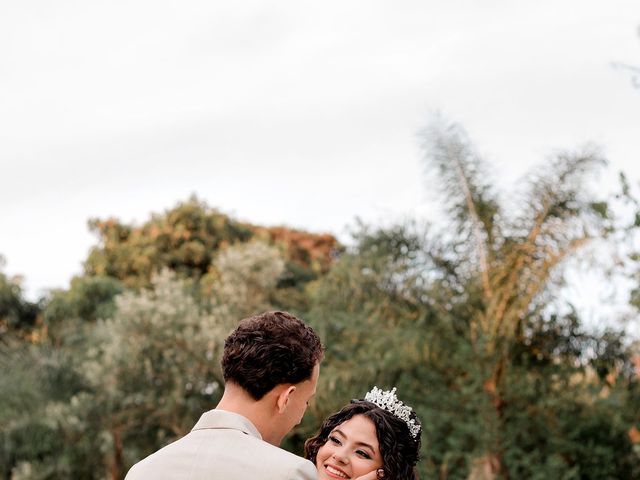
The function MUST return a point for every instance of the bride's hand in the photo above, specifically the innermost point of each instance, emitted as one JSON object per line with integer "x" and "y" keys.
{"x": 369, "y": 476}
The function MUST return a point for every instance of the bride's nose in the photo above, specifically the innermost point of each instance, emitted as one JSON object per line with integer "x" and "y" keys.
{"x": 339, "y": 457}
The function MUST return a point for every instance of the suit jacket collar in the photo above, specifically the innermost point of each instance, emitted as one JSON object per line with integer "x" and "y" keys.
{"x": 229, "y": 420}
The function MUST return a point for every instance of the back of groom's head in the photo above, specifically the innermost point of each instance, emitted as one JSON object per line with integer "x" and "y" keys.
{"x": 270, "y": 349}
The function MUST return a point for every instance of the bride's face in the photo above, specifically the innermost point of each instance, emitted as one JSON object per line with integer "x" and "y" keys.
{"x": 351, "y": 450}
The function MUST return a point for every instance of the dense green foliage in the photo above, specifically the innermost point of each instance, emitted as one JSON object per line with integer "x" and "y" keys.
{"x": 186, "y": 238}
{"x": 464, "y": 318}
{"x": 16, "y": 313}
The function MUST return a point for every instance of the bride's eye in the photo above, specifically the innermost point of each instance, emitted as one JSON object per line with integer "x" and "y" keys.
{"x": 334, "y": 440}
{"x": 363, "y": 454}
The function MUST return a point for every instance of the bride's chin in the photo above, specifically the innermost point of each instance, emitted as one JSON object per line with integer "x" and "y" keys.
{"x": 323, "y": 474}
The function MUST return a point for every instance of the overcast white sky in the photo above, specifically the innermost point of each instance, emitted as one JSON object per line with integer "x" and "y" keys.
{"x": 290, "y": 112}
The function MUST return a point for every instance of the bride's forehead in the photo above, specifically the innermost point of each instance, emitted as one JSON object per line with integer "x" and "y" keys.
{"x": 357, "y": 425}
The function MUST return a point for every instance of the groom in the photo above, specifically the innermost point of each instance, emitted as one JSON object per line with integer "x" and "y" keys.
{"x": 270, "y": 365}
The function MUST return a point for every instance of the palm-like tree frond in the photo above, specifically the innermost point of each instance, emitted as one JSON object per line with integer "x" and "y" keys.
{"x": 471, "y": 204}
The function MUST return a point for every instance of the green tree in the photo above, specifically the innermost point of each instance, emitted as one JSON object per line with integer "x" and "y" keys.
{"x": 154, "y": 367}
{"x": 69, "y": 313}
{"x": 16, "y": 313}
{"x": 183, "y": 239}
{"x": 186, "y": 238}
{"x": 36, "y": 378}
{"x": 510, "y": 263}
{"x": 132, "y": 380}
{"x": 457, "y": 318}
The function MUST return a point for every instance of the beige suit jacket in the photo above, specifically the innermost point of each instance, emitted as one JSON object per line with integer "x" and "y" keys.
{"x": 223, "y": 446}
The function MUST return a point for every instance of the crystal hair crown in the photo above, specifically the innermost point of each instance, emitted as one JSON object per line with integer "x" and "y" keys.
{"x": 387, "y": 400}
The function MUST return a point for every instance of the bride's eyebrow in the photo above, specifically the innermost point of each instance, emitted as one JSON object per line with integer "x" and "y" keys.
{"x": 362, "y": 444}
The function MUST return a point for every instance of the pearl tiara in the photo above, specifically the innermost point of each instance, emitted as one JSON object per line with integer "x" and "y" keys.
{"x": 387, "y": 400}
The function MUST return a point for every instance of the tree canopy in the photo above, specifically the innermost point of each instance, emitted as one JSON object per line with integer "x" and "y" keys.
{"x": 464, "y": 317}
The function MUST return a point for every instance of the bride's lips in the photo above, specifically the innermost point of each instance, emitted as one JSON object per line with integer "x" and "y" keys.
{"x": 334, "y": 468}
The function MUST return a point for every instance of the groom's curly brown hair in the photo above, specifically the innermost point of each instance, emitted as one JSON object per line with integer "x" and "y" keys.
{"x": 268, "y": 350}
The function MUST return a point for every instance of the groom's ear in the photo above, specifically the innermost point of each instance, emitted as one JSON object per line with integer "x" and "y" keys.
{"x": 283, "y": 398}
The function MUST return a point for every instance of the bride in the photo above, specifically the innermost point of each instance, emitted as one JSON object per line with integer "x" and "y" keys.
{"x": 377, "y": 437}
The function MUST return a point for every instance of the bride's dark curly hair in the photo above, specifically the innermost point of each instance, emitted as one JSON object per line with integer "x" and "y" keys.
{"x": 399, "y": 450}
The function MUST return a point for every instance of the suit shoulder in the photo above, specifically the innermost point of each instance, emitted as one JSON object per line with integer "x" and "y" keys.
{"x": 304, "y": 470}
{"x": 276, "y": 452}
{"x": 292, "y": 466}
{"x": 226, "y": 454}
